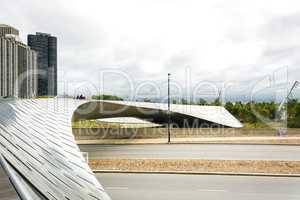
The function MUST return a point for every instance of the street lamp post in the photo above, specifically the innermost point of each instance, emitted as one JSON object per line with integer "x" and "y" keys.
{"x": 169, "y": 112}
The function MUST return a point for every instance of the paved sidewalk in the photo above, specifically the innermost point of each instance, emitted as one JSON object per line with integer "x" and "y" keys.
{"x": 291, "y": 140}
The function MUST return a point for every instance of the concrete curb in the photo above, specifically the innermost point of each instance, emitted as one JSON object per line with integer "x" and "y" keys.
{"x": 197, "y": 173}
{"x": 242, "y": 143}
{"x": 205, "y": 143}
{"x": 225, "y": 140}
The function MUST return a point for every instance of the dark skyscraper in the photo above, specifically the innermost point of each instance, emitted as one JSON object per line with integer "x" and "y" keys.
{"x": 46, "y": 47}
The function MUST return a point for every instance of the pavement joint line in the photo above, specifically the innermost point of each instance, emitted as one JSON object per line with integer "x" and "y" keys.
{"x": 211, "y": 190}
{"x": 196, "y": 173}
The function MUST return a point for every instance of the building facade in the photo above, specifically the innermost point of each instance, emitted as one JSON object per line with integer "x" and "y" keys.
{"x": 46, "y": 47}
{"x": 5, "y": 30}
{"x": 18, "y": 66}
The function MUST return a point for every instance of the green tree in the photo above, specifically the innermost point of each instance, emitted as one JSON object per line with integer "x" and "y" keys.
{"x": 147, "y": 100}
{"x": 107, "y": 97}
{"x": 202, "y": 102}
{"x": 216, "y": 102}
{"x": 184, "y": 101}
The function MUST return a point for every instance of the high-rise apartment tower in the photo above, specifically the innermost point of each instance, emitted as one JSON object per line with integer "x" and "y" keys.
{"x": 18, "y": 65}
{"x": 46, "y": 47}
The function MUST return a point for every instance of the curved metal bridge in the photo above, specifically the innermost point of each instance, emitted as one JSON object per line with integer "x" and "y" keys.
{"x": 38, "y": 152}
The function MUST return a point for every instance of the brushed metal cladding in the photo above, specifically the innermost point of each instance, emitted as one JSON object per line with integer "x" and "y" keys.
{"x": 36, "y": 139}
{"x": 214, "y": 114}
{"x": 127, "y": 122}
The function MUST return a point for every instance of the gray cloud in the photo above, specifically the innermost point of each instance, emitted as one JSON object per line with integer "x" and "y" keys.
{"x": 281, "y": 27}
{"x": 87, "y": 46}
{"x": 282, "y": 44}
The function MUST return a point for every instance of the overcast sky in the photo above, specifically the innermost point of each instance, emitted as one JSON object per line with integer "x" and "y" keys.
{"x": 229, "y": 42}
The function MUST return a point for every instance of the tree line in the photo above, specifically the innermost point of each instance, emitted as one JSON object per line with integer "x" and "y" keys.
{"x": 248, "y": 112}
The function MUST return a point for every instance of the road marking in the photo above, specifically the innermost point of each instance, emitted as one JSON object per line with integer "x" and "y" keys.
{"x": 116, "y": 188}
{"x": 211, "y": 190}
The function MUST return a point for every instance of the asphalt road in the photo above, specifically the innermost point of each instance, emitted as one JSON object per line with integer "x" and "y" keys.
{"x": 194, "y": 151}
{"x": 187, "y": 187}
